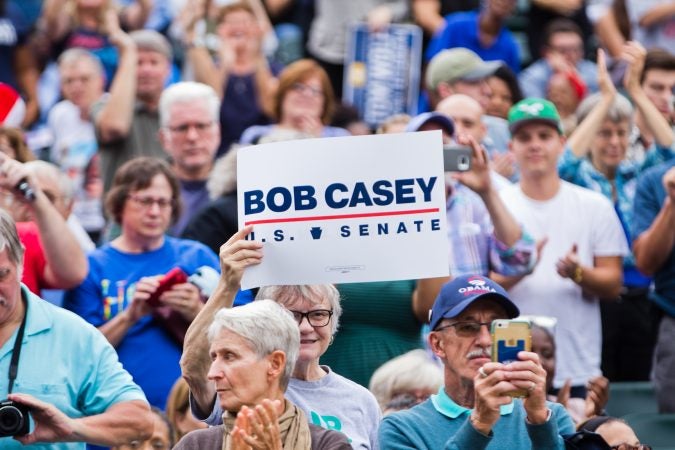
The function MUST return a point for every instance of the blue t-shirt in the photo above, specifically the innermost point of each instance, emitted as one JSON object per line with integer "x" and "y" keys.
{"x": 649, "y": 197}
{"x": 461, "y": 30}
{"x": 147, "y": 351}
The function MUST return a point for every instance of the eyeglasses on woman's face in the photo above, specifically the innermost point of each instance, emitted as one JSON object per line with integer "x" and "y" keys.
{"x": 316, "y": 318}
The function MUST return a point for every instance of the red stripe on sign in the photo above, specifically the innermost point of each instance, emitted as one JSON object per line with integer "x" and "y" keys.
{"x": 343, "y": 216}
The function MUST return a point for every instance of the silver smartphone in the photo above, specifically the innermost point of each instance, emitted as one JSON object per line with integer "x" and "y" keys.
{"x": 457, "y": 158}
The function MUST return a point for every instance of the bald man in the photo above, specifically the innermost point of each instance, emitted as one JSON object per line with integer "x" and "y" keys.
{"x": 468, "y": 117}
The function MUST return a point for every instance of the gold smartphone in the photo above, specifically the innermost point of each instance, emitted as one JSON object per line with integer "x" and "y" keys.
{"x": 510, "y": 336}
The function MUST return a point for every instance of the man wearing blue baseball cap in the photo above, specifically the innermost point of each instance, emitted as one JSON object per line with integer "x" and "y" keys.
{"x": 473, "y": 409}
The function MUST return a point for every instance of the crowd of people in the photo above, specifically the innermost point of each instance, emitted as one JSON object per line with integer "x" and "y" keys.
{"x": 120, "y": 125}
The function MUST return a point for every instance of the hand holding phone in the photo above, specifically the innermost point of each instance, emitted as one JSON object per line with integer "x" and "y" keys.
{"x": 457, "y": 158}
{"x": 508, "y": 338}
{"x": 170, "y": 279}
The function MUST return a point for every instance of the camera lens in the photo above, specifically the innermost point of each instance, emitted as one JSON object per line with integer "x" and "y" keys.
{"x": 11, "y": 419}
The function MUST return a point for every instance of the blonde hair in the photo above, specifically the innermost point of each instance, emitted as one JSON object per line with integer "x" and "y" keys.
{"x": 407, "y": 372}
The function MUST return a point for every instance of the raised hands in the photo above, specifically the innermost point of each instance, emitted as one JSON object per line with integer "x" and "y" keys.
{"x": 258, "y": 428}
{"x": 604, "y": 79}
{"x": 634, "y": 54}
{"x": 116, "y": 35}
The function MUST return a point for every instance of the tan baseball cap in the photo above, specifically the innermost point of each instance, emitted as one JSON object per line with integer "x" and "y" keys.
{"x": 457, "y": 64}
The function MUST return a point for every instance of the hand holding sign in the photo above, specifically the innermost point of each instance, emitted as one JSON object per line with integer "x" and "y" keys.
{"x": 237, "y": 254}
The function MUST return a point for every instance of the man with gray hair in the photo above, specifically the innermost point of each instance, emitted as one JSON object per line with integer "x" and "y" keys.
{"x": 76, "y": 395}
{"x": 127, "y": 122}
{"x": 190, "y": 135}
{"x": 253, "y": 352}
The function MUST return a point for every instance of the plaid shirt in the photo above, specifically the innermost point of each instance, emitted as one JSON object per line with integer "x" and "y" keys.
{"x": 473, "y": 248}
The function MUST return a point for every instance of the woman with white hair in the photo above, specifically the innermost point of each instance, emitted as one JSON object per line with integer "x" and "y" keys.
{"x": 328, "y": 399}
{"x": 406, "y": 381}
{"x": 253, "y": 350}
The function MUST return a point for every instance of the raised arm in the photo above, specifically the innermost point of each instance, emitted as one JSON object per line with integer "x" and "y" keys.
{"x": 66, "y": 265}
{"x": 583, "y": 135}
{"x": 478, "y": 179}
{"x": 55, "y": 19}
{"x": 136, "y": 14}
{"x": 113, "y": 122}
{"x": 27, "y": 75}
{"x": 427, "y": 14}
{"x": 235, "y": 255}
{"x": 657, "y": 14}
{"x": 634, "y": 54}
{"x": 205, "y": 69}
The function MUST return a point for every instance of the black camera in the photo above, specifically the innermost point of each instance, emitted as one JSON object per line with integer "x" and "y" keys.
{"x": 14, "y": 419}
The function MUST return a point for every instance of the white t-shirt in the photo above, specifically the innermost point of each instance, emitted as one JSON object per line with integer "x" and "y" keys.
{"x": 574, "y": 216}
{"x": 73, "y": 149}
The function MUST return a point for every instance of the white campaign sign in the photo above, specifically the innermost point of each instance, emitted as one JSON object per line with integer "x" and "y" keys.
{"x": 347, "y": 209}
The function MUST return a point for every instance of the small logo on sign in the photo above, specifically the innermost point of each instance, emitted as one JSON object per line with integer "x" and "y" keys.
{"x": 315, "y": 232}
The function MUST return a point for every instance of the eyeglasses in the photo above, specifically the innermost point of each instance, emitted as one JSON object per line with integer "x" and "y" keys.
{"x": 466, "y": 329}
{"x": 307, "y": 89}
{"x": 183, "y": 129}
{"x": 147, "y": 202}
{"x": 631, "y": 447}
{"x": 316, "y": 318}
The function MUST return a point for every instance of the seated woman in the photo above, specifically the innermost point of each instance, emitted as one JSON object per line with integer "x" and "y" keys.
{"x": 125, "y": 273}
{"x": 406, "y": 381}
{"x": 328, "y": 399}
{"x": 303, "y": 102}
{"x": 253, "y": 349}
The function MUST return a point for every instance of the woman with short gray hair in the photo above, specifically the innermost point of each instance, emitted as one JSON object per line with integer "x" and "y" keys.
{"x": 328, "y": 399}
{"x": 253, "y": 350}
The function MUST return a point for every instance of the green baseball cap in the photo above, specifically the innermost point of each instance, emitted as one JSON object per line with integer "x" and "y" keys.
{"x": 534, "y": 110}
